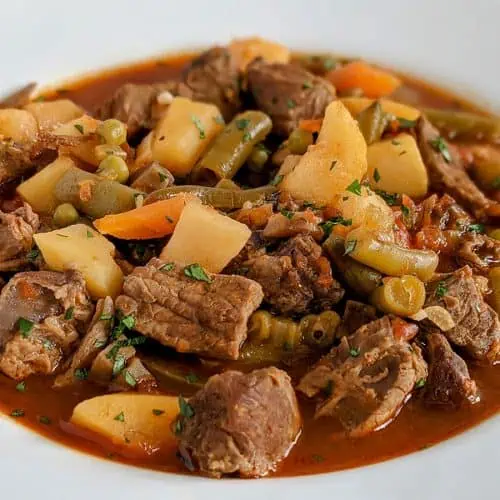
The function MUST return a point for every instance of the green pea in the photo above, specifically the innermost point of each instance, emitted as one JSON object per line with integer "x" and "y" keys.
{"x": 65, "y": 215}
{"x": 299, "y": 141}
{"x": 258, "y": 158}
{"x": 114, "y": 168}
{"x": 114, "y": 132}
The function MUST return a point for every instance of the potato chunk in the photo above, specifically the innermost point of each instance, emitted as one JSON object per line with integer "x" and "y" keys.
{"x": 18, "y": 125}
{"x": 357, "y": 104}
{"x": 81, "y": 247}
{"x": 137, "y": 423}
{"x": 396, "y": 166}
{"x": 206, "y": 237}
{"x": 245, "y": 50}
{"x": 184, "y": 132}
{"x": 52, "y": 113}
{"x": 39, "y": 190}
{"x": 336, "y": 160}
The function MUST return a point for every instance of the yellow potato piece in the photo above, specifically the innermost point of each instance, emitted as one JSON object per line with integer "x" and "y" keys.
{"x": 183, "y": 134}
{"x": 396, "y": 166}
{"x": 139, "y": 422}
{"x": 82, "y": 248}
{"x": 336, "y": 160}
{"x": 52, "y": 113}
{"x": 206, "y": 237}
{"x": 18, "y": 125}
{"x": 357, "y": 104}
{"x": 245, "y": 50}
{"x": 38, "y": 190}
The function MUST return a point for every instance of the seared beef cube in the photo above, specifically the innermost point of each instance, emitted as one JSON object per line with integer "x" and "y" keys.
{"x": 280, "y": 226}
{"x": 296, "y": 277}
{"x": 190, "y": 315}
{"x": 38, "y": 295}
{"x": 16, "y": 233}
{"x": 478, "y": 251}
{"x": 39, "y": 351}
{"x": 356, "y": 314}
{"x": 477, "y": 329}
{"x": 446, "y": 170}
{"x": 91, "y": 345}
{"x": 288, "y": 93}
{"x": 365, "y": 381}
{"x": 449, "y": 382}
{"x": 239, "y": 423}
{"x": 15, "y": 161}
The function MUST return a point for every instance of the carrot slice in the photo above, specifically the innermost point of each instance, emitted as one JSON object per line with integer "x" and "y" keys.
{"x": 358, "y": 74}
{"x": 149, "y": 221}
{"x": 311, "y": 125}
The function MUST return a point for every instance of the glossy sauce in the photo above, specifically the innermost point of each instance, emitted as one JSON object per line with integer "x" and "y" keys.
{"x": 322, "y": 446}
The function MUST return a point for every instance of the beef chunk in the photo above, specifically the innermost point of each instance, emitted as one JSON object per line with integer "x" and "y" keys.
{"x": 449, "y": 382}
{"x": 15, "y": 160}
{"x": 288, "y": 93}
{"x": 477, "y": 328}
{"x": 478, "y": 250}
{"x": 296, "y": 277}
{"x": 449, "y": 176}
{"x": 240, "y": 423}
{"x": 92, "y": 344}
{"x": 38, "y": 295}
{"x": 286, "y": 226}
{"x": 16, "y": 232}
{"x": 254, "y": 247}
{"x": 40, "y": 351}
{"x": 356, "y": 314}
{"x": 187, "y": 314}
{"x": 366, "y": 379}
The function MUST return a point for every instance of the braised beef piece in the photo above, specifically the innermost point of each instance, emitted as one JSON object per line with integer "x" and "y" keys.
{"x": 366, "y": 379}
{"x": 356, "y": 314}
{"x": 296, "y": 277}
{"x": 187, "y": 314}
{"x": 478, "y": 251}
{"x": 288, "y": 93}
{"x": 477, "y": 328}
{"x": 286, "y": 225}
{"x": 16, "y": 235}
{"x": 446, "y": 171}
{"x": 239, "y": 423}
{"x": 442, "y": 212}
{"x": 91, "y": 345}
{"x": 15, "y": 160}
{"x": 448, "y": 383}
{"x": 254, "y": 247}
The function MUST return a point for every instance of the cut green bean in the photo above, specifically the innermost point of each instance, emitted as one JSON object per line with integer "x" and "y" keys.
{"x": 372, "y": 122}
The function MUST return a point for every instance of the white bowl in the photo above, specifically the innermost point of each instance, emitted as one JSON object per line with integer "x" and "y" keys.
{"x": 453, "y": 43}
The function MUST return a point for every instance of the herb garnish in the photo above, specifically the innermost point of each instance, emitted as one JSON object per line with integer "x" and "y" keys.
{"x": 350, "y": 246}
{"x": 130, "y": 379}
{"x": 476, "y": 228}
{"x": 158, "y": 412}
{"x": 25, "y": 327}
{"x": 354, "y": 352}
{"x": 106, "y": 317}
{"x": 276, "y": 180}
{"x": 376, "y": 175}
{"x": 90, "y": 234}
{"x": 186, "y": 410}
{"x": 390, "y": 198}
{"x": 79, "y": 127}
{"x": 81, "y": 374}
{"x": 405, "y": 211}
{"x": 395, "y": 142}
{"x": 242, "y": 123}
{"x": 332, "y": 166}
{"x": 163, "y": 177}
{"x": 191, "y": 378}
{"x": 246, "y": 137}
{"x": 328, "y": 225}
{"x": 196, "y": 272}
{"x": 290, "y": 103}
{"x": 405, "y": 123}
{"x": 439, "y": 145}
{"x": 307, "y": 85}
{"x": 33, "y": 254}
{"x": 355, "y": 187}
{"x": 21, "y": 387}
{"x": 69, "y": 313}
{"x": 120, "y": 417}
{"x": 167, "y": 267}
{"x": 420, "y": 383}
{"x": 441, "y": 289}
{"x": 17, "y": 413}
{"x": 44, "y": 420}
{"x": 199, "y": 126}
{"x": 287, "y": 213}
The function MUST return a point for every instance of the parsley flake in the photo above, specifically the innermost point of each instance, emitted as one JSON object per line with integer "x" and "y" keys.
{"x": 405, "y": 211}
{"x": 287, "y": 213}
{"x": 167, "y": 267}
{"x": 17, "y": 413}
{"x": 242, "y": 123}
{"x": 390, "y": 198}
{"x": 439, "y": 145}
{"x": 81, "y": 374}
{"x": 130, "y": 379}
{"x": 307, "y": 85}
{"x": 219, "y": 120}
{"x": 186, "y": 410}
{"x": 199, "y": 126}
{"x": 354, "y": 352}
{"x": 69, "y": 313}
{"x": 33, "y": 254}
{"x": 120, "y": 417}
{"x": 355, "y": 187}
{"x": 21, "y": 387}
{"x": 79, "y": 127}
{"x": 328, "y": 225}
{"x": 25, "y": 327}
{"x": 163, "y": 177}
{"x": 350, "y": 246}
{"x": 405, "y": 123}
{"x": 118, "y": 365}
{"x": 44, "y": 420}
{"x": 318, "y": 458}
{"x": 376, "y": 175}
{"x": 191, "y": 378}
{"x": 158, "y": 412}
{"x": 90, "y": 234}
{"x": 441, "y": 289}
{"x": 476, "y": 228}
{"x": 106, "y": 317}
{"x": 196, "y": 272}
{"x": 246, "y": 137}
{"x": 420, "y": 383}
{"x": 290, "y": 103}
{"x": 276, "y": 180}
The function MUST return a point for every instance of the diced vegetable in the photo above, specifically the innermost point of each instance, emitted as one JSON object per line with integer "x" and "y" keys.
{"x": 245, "y": 50}
{"x": 389, "y": 258}
{"x": 232, "y": 147}
{"x": 373, "y": 121}
{"x": 138, "y": 423}
{"x": 114, "y": 168}
{"x": 65, "y": 215}
{"x": 149, "y": 221}
{"x": 39, "y": 190}
{"x": 52, "y": 113}
{"x": 358, "y": 74}
{"x": 225, "y": 199}
{"x": 83, "y": 127}
{"x": 84, "y": 249}
{"x": 18, "y": 125}
{"x": 402, "y": 296}
{"x": 273, "y": 331}
{"x": 356, "y": 105}
{"x": 113, "y": 132}
{"x": 206, "y": 237}
{"x": 144, "y": 153}
{"x": 184, "y": 132}
{"x": 396, "y": 166}
{"x": 336, "y": 160}
{"x": 94, "y": 195}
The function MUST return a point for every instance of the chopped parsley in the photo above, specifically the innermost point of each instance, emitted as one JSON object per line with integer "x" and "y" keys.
{"x": 186, "y": 410}
{"x": 196, "y": 272}
{"x": 199, "y": 126}
{"x": 287, "y": 213}
{"x": 130, "y": 379}
{"x": 328, "y": 225}
{"x": 405, "y": 123}
{"x": 402, "y": 153}
{"x": 33, "y": 254}
{"x": 390, "y": 198}
{"x": 290, "y": 103}
{"x": 439, "y": 145}
{"x": 69, "y": 313}
{"x": 246, "y": 137}
{"x": 44, "y": 420}
{"x": 405, "y": 211}
{"x": 328, "y": 389}
{"x": 90, "y": 234}
{"x": 118, "y": 365}
{"x": 307, "y": 85}
{"x": 99, "y": 343}
{"x": 376, "y": 175}
{"x": 128, "y": 322}
{"x": 21, "y": 387}
{"x": 167, "y": 267}
{"x": 17, "y": 413}
{"x": 441, "y": 289}
{"x": 420, "y": 383}
{"x": 158, "y": 412}
{"x": 106, "y": 317}
{"x": 178, "y": 427}
{"x": 350, "y": 246}
{"x": 332, "y": 166}
{"x": 163, "y": 177}
{"x": 120, "y": 417}
{"x": 242, "y": 123}
{"x": 395, "y": 142}
{"x": 191, "y": 378}
{"x": 81, "y": 374}
{"x": 355, "y": 187}
{"x": 79, "y": 127}
{"x": 25, "y": 327}
{"x": 354, "y": 352}
{"x": 276, "y": 180}
{"x": 329, "y": 63}
{"x": 48, "y": 344}
{"x": 169, "y": 219}
{"x": 476, "y": 228}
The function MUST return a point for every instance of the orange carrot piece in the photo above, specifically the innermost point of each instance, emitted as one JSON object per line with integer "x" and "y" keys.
{"x": 149, "y": 221}
{"x": 311, "y": 125}
{"x": 358, "y": 74}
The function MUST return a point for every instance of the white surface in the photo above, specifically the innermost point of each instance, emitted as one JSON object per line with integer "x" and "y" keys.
{"x": 454, "y": 43}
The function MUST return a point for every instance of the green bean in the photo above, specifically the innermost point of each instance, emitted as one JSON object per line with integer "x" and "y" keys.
{"x": 319, "y": 64}
{"x": 318, "y": 330}
{"x": 465, "y": 125}
{"x": 372, "y": 122}
{"x": 227, "y": 184}
{"x": 403, "y": 296}
{"x": 93, "y": 195}
{"x": 232, "y": 147}
{"x": 224, "y": 199}
{"x": 362, "y": 279}
{"x": 264, "y": 328}
{"x": 299, "y": 140}
{"x": 258, "y": 158}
